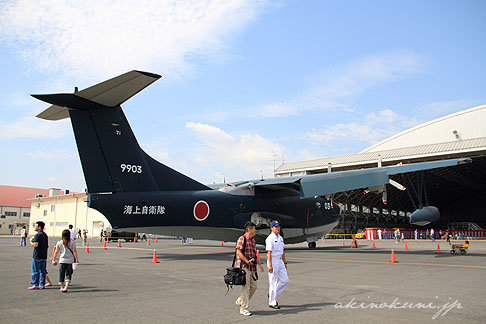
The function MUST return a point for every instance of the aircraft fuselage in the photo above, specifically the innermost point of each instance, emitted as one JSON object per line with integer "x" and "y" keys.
{"x": 157, "y": 212}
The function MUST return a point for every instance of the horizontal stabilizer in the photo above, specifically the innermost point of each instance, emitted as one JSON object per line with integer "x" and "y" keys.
{"x": 110, "y": 93}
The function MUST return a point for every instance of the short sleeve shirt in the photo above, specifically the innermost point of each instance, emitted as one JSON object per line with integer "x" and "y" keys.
{"x": 66, "y": 255}
{"x": 73, "y": 234}
{"x": 250, "y": 251}
{"x": 275, "y": 244}
{"x": 40, "y": 252}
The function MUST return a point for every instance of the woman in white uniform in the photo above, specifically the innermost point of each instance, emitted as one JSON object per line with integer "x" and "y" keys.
{"x": 277, "y": 265}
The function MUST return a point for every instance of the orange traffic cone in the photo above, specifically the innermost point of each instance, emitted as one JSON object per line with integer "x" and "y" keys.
{"x": 87, "y": 247}
{"x": 438, "y": 249}
{"x": 374, "y": 247}
{"x": 135, "y": 239}
{"x": 343, "y": 242}
{"x": 222, "y": 244}
{"x": 393, "y": 260}
{"x": 148, "y": 242}
{"x": 104, "y": 246}
{"x": 119, "y": 243}
{"x": 406, "y": 246}
{"x": 156, "y": 240}
{"x": 154, "y": 259}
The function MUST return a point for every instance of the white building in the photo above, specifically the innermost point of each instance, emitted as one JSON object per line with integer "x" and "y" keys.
{"x": 58, "y": 211}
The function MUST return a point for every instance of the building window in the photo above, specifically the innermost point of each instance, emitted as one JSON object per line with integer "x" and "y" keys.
{"x": 52, "y": 224}
{"x": 26, "y": 214}
{"x": 10, "y": 213}
{"x": 53, "y": 208}
{"x": 45, "y": 212}
{"x": 62, "y": 224}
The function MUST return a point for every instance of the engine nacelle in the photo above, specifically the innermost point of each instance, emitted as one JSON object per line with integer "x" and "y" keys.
{"x": 424, "y": 216}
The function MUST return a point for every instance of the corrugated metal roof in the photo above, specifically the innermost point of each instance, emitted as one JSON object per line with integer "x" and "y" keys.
{"x": 446, "y": 148}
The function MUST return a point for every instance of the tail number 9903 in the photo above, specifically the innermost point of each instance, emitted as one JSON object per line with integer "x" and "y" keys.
{"x": 131, "y": 168}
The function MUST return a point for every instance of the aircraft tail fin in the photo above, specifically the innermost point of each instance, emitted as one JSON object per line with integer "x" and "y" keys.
{"x": 111, "y": 157}
{"x": 110, "y": 93}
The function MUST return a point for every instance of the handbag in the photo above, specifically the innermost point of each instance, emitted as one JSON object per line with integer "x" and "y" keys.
{"x": 235, "y": 276}
{"x": 75, "y": 264}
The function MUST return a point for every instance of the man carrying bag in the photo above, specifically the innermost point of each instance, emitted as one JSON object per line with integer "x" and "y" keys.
{"x": 246, "y": 253}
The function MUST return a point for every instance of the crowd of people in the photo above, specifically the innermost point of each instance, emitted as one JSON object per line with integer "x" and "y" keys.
{"x": 429, "y": 234}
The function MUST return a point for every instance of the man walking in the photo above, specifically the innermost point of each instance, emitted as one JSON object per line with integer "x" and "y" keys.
{"x": 23, "y": 236}
{"x": 246, "y": 253}
{"x": 72, "y": 232}
{"x": 277, "y": 265}
{"x": 39, "y": 257}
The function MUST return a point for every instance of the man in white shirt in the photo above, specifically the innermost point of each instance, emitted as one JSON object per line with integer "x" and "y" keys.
{"x": 73, "y": 233}
{"x": 277, "y": 265}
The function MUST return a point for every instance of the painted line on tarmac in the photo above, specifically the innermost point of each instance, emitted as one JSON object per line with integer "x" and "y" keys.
{"x": 162, "y": 249}
{"x": 385, "y": 262}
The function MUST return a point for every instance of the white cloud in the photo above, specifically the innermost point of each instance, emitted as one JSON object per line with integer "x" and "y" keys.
{"x": 240, "y": 156}
{"x": 31, "y": 127}
{"x": 372, "y": 128}
{"x": 306, "y": 155}
{"x": 43, "y": 155}
{"x": 344, "y": 82}
{"x": 96, "y": 39}
{"x": 54, "y": 156}
{"x": 438, "y": 109}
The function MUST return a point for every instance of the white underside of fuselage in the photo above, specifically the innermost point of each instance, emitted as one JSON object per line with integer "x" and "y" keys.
{"x": 291, "y": 235}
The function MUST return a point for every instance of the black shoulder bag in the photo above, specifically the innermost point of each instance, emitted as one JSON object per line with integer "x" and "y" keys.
{"x": 235, "y": 276}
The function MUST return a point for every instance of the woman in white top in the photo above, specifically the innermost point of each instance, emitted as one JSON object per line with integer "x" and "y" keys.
{"x": 66, "y": 251}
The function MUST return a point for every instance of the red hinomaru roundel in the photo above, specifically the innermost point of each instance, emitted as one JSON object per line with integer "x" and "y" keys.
{"x": 201, "y": 210}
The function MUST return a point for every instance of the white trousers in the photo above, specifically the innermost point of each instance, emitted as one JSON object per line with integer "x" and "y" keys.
{"x": 278, "y": 280}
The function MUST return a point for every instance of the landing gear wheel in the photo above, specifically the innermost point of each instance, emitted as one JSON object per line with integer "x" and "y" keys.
{"x": 312, "y": 245}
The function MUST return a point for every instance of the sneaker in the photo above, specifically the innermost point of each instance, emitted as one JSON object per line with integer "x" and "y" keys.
{"x": 274, "y": 306}
{"x": 42, "y": 287}
{"x": 63, "y": 290}
{"x": 47, "y": 285}
{"x": 245, "y": 313}
{"x": 33, "y": 288}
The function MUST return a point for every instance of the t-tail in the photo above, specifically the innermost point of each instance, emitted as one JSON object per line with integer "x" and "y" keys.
{"x": 111, "y": 157}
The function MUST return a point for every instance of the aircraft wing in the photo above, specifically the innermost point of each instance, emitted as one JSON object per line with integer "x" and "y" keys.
{"x": 339, "y": 181}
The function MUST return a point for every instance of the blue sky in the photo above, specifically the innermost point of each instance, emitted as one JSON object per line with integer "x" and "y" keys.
{"x": 246, "y": 84}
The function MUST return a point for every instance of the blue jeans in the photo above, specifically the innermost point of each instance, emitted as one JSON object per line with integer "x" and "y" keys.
{"x": 39, "y": 272}
{"x": 23, "y": 241}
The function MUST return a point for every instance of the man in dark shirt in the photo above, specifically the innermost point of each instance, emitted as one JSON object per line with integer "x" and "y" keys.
{"x": 39, "y": 257}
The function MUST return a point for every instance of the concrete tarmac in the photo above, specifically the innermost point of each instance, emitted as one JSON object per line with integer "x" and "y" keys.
{"x": 330, "y": 284}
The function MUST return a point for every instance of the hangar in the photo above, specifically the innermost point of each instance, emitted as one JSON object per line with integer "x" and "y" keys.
{"x": 458, "y": 192}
